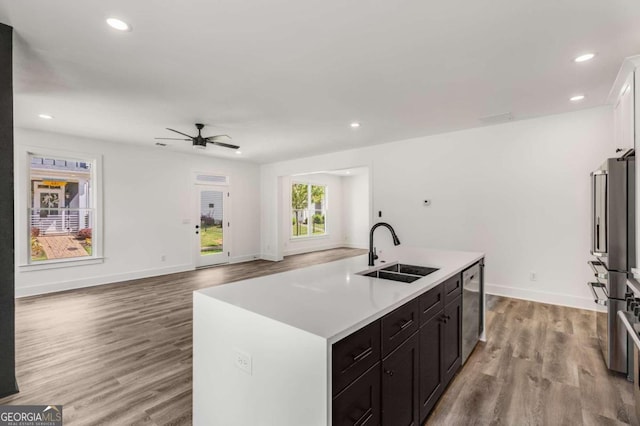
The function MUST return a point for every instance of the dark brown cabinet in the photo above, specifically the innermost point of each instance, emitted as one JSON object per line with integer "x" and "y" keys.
{"x": 354, "y": 355}
{"x": 393, "y": 371}
{"x": 398, "y": 325}
{"x": 431, "y": 383}
{"x": 452, "y": 339}
{"x": 440, "y": 353}
{"x": 359, "y": 403}
{"x": 400, "y": 400}
{"x": 452, "y": 288}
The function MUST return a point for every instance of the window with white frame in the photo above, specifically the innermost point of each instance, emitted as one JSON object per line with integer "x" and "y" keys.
{"x": 61, "y": 209}
{"x": 308, "y": 210}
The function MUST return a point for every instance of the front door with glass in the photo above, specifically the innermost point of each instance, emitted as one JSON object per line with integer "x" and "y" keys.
{"x": 211, "y": 225}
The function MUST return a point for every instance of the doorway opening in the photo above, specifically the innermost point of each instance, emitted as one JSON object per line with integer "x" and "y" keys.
{"x": 324, "y": 210}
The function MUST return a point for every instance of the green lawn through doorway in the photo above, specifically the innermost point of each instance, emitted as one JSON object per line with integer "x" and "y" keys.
{"x": 211, "y": 239}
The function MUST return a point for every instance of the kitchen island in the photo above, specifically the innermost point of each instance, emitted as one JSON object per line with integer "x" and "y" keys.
{"x": 264, "y": 348}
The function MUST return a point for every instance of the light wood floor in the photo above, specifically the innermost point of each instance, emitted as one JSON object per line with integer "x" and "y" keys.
{"x": 121, "y": 355}
{"x": 541, "y": 365}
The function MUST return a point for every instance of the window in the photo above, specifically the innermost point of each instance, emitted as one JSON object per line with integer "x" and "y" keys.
{"x": 62, "y": 210}
{"x": 308, "y": 210}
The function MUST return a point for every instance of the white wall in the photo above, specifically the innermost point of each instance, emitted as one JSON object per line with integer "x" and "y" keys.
{"x": 355, "y": 209}
{"x": 334, "y": 236}
{"x": 148, "y": 194}
{"x": 517, "y": 191}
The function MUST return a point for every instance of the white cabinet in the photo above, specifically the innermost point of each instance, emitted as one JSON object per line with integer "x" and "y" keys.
{"x": 624, "y": 116}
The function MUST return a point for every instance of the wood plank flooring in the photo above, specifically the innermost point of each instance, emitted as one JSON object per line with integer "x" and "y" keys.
{"x": 121, "y": 355}
{"x": 541, "y": 365}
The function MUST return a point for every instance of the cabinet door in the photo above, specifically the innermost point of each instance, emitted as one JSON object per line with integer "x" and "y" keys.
{"x": 354, "y": 355}
{"x": 624, "y": 117}
{"x": 400, "y": 324}
{"x": 431, "y": 304}
{"x": 431, "y": 385}
{"x": 452, "y": 339}
{"x": 452, "y": 288}
{"x": 400, "y": 385}
{"x": 359, "y": 403}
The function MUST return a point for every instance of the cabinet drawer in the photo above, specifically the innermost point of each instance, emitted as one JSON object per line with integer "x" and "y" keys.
{"x": 354, "y": 355}
{"x": 431, "y": 303}
{"x": 398, "y": 325}
{"x": 452, "y": 288}
{"x": 359, "y": 403}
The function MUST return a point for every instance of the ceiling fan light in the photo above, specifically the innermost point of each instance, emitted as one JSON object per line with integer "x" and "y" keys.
{"x": 198, "y": 146}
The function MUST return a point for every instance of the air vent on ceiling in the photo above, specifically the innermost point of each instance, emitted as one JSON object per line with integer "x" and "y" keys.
{"x": 212, "y": 178}
{"x": 498, "y": 118}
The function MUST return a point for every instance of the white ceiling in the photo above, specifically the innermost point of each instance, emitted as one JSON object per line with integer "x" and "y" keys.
{"x": 286, "y": 77}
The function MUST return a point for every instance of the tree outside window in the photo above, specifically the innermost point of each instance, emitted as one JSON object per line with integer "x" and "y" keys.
{"x": 308, "y": 210}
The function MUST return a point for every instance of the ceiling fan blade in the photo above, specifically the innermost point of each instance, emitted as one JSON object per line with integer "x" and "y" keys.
{"x": 173, "y": 139}
{"x": 183, "y": 134}
{"x": 226, "y": 145}
{"x": 217, "y": 138}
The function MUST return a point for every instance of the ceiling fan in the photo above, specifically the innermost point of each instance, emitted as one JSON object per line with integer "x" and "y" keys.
{"x": 201, "y": 142}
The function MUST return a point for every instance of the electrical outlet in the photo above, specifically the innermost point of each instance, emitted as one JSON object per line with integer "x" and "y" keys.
{"x": 163, "y": 258}
{"x": 243, "y": 361}
{"x": 533, "y": 276}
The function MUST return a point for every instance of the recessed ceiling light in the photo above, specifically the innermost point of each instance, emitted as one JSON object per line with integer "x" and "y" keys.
{"x": 585, "y": 57}
{"x": 118, "y": 24}
{"x": 355, "y": 125}
{"x": 576, "y": 98}
{"x": 238, "y": 152}
{"x": 46, "y": 116}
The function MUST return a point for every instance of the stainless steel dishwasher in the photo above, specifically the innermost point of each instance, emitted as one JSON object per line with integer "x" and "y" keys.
{"x": 472, "y": 282}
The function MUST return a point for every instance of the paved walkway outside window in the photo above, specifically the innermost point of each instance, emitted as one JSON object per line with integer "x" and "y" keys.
{"x": 62, "y": 246}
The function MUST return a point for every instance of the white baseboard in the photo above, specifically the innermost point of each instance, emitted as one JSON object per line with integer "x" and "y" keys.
{"x": 543, "y": 297}
{"x": 355, "y": 246}
{"x": 270, "y": 257}
{"x": 245, "y": 258}
{"x": 35, "y": 290}
{"x": 312, "y": 249}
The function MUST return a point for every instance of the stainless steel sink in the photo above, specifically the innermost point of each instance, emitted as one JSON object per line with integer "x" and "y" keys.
{"x": 410, "y": 269}
{"x": 400, "y": 272}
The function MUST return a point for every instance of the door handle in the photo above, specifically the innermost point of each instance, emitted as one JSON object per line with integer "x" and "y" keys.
{"x": 197, "y": 232}
{"x": 197, "y": 226}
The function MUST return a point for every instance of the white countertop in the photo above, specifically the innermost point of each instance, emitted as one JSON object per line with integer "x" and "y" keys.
{"x": 330, "y": 300}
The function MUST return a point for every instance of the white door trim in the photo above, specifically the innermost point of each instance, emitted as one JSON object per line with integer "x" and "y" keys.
{"x": 201, "y": 261}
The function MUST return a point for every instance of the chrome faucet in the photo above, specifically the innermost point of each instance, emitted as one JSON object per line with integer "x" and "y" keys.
{"x": 372, "y": 251}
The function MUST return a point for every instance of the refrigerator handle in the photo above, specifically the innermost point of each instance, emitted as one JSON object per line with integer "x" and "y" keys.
{"x": 596, "y": 298}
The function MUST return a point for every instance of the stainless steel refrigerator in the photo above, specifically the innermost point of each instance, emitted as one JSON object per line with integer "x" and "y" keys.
{"x": 613, "y": 249}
